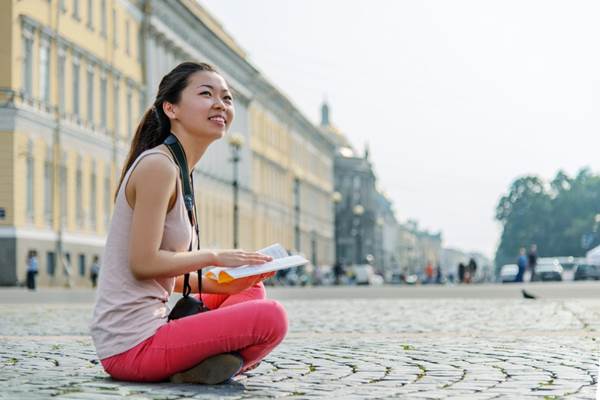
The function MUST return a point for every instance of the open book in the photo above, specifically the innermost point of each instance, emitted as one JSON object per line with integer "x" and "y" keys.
{"x": 281, "y": 260}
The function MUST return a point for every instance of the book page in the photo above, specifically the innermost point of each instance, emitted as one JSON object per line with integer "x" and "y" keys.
{"x": 281, "y": 260}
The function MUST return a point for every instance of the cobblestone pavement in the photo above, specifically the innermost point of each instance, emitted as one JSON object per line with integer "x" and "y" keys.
{"x": 340, "y": 349}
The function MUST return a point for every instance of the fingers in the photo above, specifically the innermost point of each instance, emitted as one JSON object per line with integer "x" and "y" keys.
{"x": 256, "y": 258}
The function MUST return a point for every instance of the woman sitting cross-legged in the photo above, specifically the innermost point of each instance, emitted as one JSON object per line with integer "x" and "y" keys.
{"x": 147, "y": 254}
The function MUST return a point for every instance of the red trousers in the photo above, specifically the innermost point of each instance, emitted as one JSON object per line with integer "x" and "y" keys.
{"x": 246, "y": 323}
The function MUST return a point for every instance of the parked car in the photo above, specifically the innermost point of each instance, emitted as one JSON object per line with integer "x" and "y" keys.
{"x": 508, "y": 273}
{"x": 548, "y": 272}
{"x": 585, "y": 272}
{"x": 364, "y": 274}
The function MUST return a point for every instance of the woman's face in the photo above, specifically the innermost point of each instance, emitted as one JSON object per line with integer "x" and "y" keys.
{"x": 206, "y": 106}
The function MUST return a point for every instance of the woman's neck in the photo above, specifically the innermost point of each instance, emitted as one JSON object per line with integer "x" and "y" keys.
{"x": 193, "y": 147}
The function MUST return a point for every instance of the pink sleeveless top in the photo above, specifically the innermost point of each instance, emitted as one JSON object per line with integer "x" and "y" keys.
{"x": 128, "y": 310}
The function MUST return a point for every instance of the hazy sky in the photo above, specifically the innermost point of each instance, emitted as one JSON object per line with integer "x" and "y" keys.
{"x": 456, "y": 98}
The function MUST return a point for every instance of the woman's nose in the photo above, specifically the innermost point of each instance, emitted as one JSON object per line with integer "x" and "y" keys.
{"x": 219, "y": 103}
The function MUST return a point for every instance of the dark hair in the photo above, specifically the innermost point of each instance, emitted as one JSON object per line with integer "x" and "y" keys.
{"x": 155, "y": 125}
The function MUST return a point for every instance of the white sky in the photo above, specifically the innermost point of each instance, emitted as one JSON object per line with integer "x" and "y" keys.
{"x": 456, "y": 98}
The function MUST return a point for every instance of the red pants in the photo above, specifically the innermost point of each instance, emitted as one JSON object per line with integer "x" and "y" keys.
{"x": 245, "y": 323}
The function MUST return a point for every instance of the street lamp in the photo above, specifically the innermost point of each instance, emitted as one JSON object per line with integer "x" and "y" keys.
{"x": 236, "y": 141}
{"x": 336, "y": 197}
{"x": 297, "y": 213}
{"x": 358, "y": 210}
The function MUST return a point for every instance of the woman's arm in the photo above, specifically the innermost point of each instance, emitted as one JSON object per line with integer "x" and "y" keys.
{"x": 154, "y": 181}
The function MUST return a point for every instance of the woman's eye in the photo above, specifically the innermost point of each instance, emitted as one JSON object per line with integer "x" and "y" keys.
{"x": 205, "y": 93}
{"x": 228, "y": 99}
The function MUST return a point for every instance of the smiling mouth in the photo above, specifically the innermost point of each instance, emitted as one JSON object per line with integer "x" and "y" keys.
{"x": 218, "y": 118}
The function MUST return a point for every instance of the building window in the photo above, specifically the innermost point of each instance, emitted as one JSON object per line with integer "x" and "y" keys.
{"x": 30, "y": 183}
{"x": 114, "y": 30}
{"x": 62, "y": 5}
{"x": 63, "y": 190}
{"x": 90, "y": 94}
{"x": 27, "y": 64}
{"x": 103, "y": 18}
{"x": 141, "y": 105}
{"x": 76, "y": 10}
{"x": 48, "y": 187}
{"x": 76, "y": 87}
{"x": 61, "y": 80}
{"x": 103, "y": 89}
{"x": 117, "y": 121}
{"x": 45, "y": 70}
{"x": 129, "y": 115}
{"x": 78, "y": 193}
{"x": 140, "y": 40}
{"x": 90, "y": 14}
{"x": 107, "y": 197}
{"x": 82, "y": 265}
{"x": 127, "y": 42}
{"x": 93, "y": 197}
{"x": 50, "y": 263}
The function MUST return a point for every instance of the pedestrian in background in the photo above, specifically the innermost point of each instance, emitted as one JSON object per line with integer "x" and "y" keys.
{"x": 32, "y": 269}
{"x": 461, "y": 273}
{"x": 522, "y": 264}
{"x": 95, "y": 270}
{"x": 532, "y": 259}
{"x": 438, "y": 274}
{"x": 472, "y": 267}
{"x": 429, "y": 273}
{"x": 338, "y": 271}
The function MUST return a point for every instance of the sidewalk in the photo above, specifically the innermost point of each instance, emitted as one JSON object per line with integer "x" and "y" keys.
{"x": 340, "y": 348}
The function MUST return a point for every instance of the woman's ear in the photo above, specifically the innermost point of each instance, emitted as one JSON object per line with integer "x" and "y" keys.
{"x": 169, "y": 109}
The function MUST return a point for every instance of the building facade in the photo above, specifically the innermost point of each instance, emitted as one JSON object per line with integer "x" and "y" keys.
{"x": 81, "y": 74}
{"x": 71, "y": 91}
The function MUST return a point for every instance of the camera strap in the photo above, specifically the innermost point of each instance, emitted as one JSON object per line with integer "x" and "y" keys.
{"x": 187, "y": 182}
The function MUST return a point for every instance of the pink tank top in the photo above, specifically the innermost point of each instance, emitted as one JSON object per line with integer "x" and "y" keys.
{"x": 128, "y": 310}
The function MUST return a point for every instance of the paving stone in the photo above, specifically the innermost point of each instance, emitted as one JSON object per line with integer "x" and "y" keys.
{"x": 400, "y": 349}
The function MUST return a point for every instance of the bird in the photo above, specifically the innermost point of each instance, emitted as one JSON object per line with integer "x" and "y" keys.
{"x": 527, "y": 295}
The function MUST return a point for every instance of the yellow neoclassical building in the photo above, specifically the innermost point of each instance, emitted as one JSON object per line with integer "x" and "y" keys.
{"x": 79, "y": 76}
{"x": 71, "y": 92}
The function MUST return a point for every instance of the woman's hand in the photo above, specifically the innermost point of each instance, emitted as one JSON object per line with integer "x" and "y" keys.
{"x": 238, "y": 285}
{"x": 236, "y": 258}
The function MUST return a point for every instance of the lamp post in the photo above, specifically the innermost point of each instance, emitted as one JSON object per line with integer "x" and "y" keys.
{"x": 358, "y": 210}
{"x": 297, "y": 213}
{"x": 379, "y": 243}
{"x": 236, "y": 141}
{"x": 336, "y": 198}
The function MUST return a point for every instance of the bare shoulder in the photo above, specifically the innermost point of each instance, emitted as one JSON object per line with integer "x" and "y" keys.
{"x": 155, "y": 168}
{"x": 155, "y": 175}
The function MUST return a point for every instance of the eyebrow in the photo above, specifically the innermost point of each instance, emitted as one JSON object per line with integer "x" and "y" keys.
{"x": 211, "y": 87}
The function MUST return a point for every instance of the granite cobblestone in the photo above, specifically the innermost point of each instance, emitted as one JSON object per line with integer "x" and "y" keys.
{"x": 363, "y": 349}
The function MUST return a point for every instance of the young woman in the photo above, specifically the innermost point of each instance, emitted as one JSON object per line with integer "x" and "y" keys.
{"x": 146, "y": 255}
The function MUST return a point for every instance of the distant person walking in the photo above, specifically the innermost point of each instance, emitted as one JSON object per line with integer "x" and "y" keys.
{"x": 461, "y": 273}
{"x": 95, "y": 270}
{"x": 338, "y": 271}
{"x": 472, "y": 267}
{"x": 32, "y": 269}
{"x": 522, "y": 264}
{"x": 429, "y": 273}
{"x": 438, "y": 274}
{"x": 532, "y": 259}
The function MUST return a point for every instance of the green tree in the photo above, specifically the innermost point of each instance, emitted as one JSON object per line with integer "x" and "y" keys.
{"x": 555, "y": 216}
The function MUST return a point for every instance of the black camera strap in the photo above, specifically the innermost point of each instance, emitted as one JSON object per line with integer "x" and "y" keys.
{"x": 187, "y": 181}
